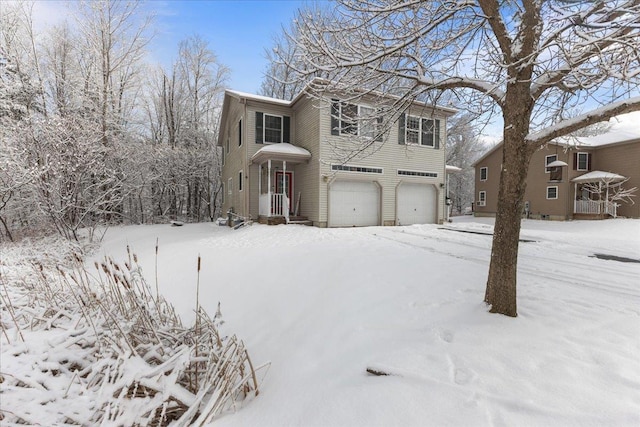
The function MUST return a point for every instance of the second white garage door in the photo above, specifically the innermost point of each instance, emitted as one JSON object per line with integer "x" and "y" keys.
{"x": 354, "y": 203}
{"x": 416, "y": 204}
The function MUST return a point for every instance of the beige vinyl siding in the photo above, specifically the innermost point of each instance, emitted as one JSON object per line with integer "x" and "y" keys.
{"x": 390, "y": 156}
{"x": 307, "y": 178}
{"x": 235, "y": 161}
{"x": 251, "y": 147}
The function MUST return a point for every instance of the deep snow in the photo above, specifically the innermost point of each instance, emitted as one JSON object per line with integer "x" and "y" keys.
{"x": 322, "y": 305}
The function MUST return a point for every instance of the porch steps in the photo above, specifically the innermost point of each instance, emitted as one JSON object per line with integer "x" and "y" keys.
{"x": 301, "y": 220}
{"x": 276, "y": 220}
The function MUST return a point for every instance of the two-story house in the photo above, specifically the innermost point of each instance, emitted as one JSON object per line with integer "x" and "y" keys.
{"x": 569, "y": 179}
{"x": 285, "y": 161}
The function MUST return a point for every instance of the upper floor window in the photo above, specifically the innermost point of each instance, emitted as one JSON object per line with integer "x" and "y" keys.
{"x": 352, "y": 119}
{"x": 483, "y": 173}
{"x": 419, "y": 131}
{"x": 240, "y": 133}
{"x": 582, "y": 161}
{"x": 271, "y": 128}
{"x": 555, "y": 173}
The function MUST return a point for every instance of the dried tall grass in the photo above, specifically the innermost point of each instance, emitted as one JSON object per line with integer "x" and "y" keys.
{"x": 139, "y": 362}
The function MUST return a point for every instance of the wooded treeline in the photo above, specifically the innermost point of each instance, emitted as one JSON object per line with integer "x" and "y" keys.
{"x": 93, "y": 134}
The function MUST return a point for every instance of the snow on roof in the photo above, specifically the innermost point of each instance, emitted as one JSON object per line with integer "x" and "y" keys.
{"x": 258, "y": 97}
{"x": 283, "y": 150}
{"x": 596, "y": 176}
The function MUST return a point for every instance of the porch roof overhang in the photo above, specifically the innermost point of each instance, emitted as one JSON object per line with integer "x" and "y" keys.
{"x": 281, "y": 152}
{"x": 598, "y": 176}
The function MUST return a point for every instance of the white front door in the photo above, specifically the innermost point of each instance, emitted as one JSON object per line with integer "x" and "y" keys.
{"x": 416, "y": 203}
{"x": 354, "y": 204}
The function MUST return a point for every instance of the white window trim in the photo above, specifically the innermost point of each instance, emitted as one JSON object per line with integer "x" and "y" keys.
{"x": 240, "y": 132}
{"x": 264, "y": 128}
{"x": 358, "y": 166}
{"x": 359, "y": 122}
{"x": 482, "y": 198}
{"x": 240, "y": 180}
{"x": 546, "y": 162}
{"x": 419, "y": 143}
{"x": 423, "y": 174}
{"x": 586, "y": 168}
{"x": 486, "y": 174}
{"x": 550, "y": 187}
{"x": 230, "y": 186}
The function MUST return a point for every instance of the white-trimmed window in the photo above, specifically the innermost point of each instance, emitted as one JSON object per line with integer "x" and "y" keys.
{"x": 353, "y": 119}
{"x": 406, "y": 172}
{"x": 552, "y": 192}
{"x": 484, "y": 172}
{"x": 421, "y": 131}
{"x": 358, "y": 169}
{"x": 230, "y": 186}
{"x": 240, "y": 181}
{"x": 582, "y": 161}
{"x": 555, "y": 173}
{"x": 482, "y": 198}
{"x": 272, "y": 129}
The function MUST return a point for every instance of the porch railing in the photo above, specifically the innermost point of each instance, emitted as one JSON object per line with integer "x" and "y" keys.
{"x": 595, "y": 207}
{"x": 276, "y": 205}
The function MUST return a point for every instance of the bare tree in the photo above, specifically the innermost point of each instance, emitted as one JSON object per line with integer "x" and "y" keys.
{"x": 280, "y": 78}
{"x": 533, "y": 61}
{"x": 463, "y": 148}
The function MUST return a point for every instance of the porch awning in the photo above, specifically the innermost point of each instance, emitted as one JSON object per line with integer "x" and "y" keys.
{"x": 452, "y": 169}
{"x": 598, "y": 176}
{"x": 282, "y": 152}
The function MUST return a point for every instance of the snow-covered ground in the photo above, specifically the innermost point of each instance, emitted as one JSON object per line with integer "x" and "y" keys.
{"x": 323, "y": 305}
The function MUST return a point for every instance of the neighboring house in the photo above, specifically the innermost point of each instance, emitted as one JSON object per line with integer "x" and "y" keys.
{"x": 589, "y": 172}
{"x": 280, "y": 163}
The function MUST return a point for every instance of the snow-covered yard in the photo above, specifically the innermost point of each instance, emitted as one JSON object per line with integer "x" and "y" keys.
{"x": 323, "y": 305}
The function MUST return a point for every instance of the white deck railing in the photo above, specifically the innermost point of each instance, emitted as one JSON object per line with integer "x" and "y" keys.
{"x": 595, "y": 207}
{"x": 276, "y": 205}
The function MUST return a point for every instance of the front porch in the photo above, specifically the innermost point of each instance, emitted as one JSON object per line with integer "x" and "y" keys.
{"x": 277, "y": 203}
{"x": 594, "y": 195}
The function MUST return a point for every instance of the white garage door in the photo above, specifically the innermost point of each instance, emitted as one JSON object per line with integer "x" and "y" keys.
{"x": 353, "y": 203}
{"x": 416, "y": 204}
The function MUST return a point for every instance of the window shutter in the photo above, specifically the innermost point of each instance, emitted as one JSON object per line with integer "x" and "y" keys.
{"x": 335, "y": 117}
{"x": 589, "y": 161}
{"x": 401, "y": 125}
{"x": 239, "y": 133}
{"x": 259, "y": 128}
{"x": 379, "y": 128}
{"x": 436, "y": 134}
{"x": 575, "y": 161}
{"x": 286, "y": 129}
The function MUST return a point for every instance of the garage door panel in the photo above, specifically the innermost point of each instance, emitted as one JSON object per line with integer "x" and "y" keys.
{"x": 416, "y": 204}
{"x": 353, "y": 203}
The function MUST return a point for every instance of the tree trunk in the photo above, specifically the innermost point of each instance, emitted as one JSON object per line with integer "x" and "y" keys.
{"x": 501, "y": 283}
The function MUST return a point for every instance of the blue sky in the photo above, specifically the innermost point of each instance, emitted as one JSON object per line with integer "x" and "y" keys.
{"x": 237, "y": 31}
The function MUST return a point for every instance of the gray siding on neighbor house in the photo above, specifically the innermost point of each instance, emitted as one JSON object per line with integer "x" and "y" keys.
{"x": 622, "y": 159}
{"x": 388, "y": 155}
